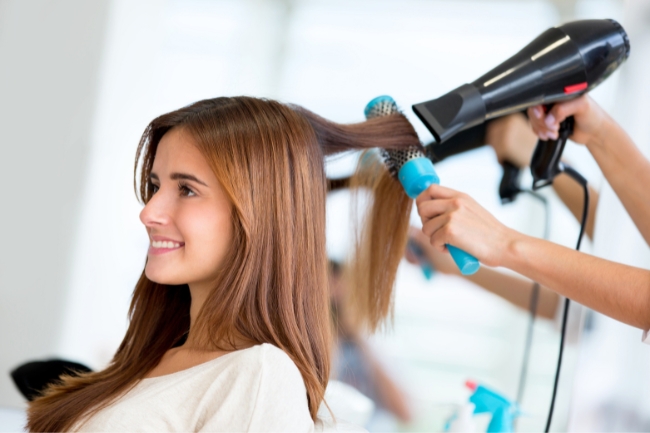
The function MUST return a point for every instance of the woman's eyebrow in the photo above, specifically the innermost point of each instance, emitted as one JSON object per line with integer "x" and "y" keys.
{"x": 185, "y": 176}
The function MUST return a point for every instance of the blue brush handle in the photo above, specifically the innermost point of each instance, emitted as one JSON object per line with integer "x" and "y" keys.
{"x": 416, "y": 176}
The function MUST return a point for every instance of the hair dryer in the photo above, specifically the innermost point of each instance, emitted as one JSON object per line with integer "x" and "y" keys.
{"x": 561, "y": 63}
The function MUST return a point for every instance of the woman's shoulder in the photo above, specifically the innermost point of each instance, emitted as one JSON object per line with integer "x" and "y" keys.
{"x": 267, "y": 358}
{"x": 271, "y": 353}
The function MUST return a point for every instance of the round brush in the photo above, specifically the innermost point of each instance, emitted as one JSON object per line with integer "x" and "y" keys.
{"x": 416, "y": 173}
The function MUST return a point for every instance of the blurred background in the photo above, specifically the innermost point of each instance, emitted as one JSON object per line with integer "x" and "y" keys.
{"x": 81, "y": 79}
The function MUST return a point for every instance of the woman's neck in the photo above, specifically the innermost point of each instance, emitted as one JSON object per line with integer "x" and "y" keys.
{"x": 198, "y": 294}
{"x": 196, "y": 336}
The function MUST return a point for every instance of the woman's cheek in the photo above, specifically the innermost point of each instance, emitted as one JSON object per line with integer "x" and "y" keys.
{"x": 208, "y": 234}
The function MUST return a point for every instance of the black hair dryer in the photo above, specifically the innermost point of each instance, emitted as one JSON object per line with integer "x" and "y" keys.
{"x": 561, "y": 63}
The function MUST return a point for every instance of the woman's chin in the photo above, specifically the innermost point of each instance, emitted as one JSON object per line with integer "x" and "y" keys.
{"x": 161, "y": 276}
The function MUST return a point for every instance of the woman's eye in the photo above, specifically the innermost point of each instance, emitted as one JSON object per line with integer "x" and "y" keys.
{"x": 185, "y": 190}
{"x": 153, "y": 188}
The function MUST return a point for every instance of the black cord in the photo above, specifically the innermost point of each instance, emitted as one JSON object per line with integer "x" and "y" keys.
{"x": 585, "y": 212}
{"x": 534, "y": 299}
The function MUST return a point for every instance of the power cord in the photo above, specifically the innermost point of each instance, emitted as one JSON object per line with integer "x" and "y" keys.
{"x": 508, "y": 190}
{"x": 585, "y": 212}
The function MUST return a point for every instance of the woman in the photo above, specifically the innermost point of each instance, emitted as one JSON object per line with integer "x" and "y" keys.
{"x": 229, "y": 323}
{"x": 619, "y": 291}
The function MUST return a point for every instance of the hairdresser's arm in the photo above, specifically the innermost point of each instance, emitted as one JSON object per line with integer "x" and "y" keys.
{"x": 514, "y": 141}
{"x": 512, "y": 288}
{"x": 624, "y": 166}
{"x": 619, "y": 291}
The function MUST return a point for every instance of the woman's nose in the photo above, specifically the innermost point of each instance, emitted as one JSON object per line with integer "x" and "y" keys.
{"x": 155, "y": 212}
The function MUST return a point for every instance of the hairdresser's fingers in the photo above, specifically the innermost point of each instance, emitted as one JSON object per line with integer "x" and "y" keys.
{"x": 472, "y": 229}
{"x": 451, "y": 229}
{"x": 589, "y": 117}
{"x": 448, "y": 214}
{"x": 538, "y": 121}
{"x": 433, "y": 226}
{"x": 442, "y": 237}
{"x": 562, "y": 110}
{"x": 428, "y": 209}
{"x": 437, "y": 192}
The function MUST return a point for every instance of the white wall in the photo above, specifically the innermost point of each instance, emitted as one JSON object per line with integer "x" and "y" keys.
{"x": 50, "y": 55}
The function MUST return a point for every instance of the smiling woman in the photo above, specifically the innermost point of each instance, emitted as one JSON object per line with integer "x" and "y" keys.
{"x": 188, "y": 216}
{"x": 229, "y": 322}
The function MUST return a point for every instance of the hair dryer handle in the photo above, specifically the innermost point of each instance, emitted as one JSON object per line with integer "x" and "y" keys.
{"x": 545, "y": 164}
{"x": 509, "y": 186}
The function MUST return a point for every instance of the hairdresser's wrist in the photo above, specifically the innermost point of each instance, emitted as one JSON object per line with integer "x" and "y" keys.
{"x": 515, "y": 250}
{"x": 604, "y": 136}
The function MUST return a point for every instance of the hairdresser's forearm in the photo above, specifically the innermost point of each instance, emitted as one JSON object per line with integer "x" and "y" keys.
{"x": 515, "y": 290}
{"x": 627, "y": 171}
{"x": 572, "y": 195}
{"x": 618, "y": 291}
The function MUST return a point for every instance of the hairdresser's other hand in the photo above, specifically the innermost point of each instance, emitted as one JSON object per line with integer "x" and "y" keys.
{"x": 441, "y": 262}
{"x": 451, "y": 217}
{"x": 590, "y": 120}
{"x": 512, "y": 138}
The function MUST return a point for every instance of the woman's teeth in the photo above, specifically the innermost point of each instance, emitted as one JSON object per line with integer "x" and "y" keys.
{"x": 165, "y": 244}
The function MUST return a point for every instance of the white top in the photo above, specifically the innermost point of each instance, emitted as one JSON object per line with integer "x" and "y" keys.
{"x": 254, "y": 389}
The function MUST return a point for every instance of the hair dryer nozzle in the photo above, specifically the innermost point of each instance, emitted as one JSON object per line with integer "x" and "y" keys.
{"x": 560, "y": 64}
{"x": 453, "y": 112}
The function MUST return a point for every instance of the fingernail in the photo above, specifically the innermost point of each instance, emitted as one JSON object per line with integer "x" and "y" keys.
{"x": 550, "y": 120}
{"x": 543, "y": 136}
{"x": 537, "y": 112}
{"x": 553, "y": 135}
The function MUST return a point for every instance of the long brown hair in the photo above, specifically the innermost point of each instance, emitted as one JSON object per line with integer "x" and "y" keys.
{"x": 268, "y": 158}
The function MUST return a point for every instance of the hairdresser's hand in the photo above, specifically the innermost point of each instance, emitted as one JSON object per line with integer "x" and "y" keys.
{"x": 451, "y": 217}
{"x": 512, "y": 138}
{"x": 591, "y": 121}
{"x": 441, "y": 262}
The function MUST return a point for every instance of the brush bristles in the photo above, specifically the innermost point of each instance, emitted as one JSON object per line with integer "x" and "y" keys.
{"x": 389, "y": 162}
{"x": 385, "y": 107}
{"x": 394, "y": 159}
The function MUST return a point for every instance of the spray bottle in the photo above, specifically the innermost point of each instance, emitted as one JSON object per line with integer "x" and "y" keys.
{"x": 487, "y": 400}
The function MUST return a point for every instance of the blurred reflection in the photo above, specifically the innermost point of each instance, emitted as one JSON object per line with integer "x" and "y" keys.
{"x": 356, "y": 364}
{"x": 514, "y": 289}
